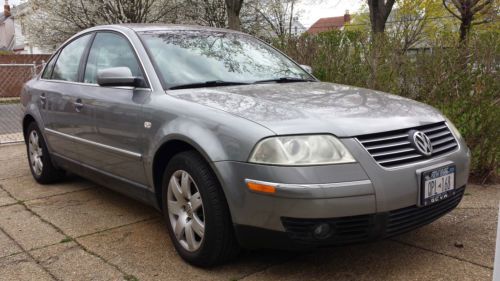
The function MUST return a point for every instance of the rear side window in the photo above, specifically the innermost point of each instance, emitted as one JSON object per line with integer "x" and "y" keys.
{"x": 47, "y": 73}
{"x": 68, "y": 62}
{"x": 110, "y": 50}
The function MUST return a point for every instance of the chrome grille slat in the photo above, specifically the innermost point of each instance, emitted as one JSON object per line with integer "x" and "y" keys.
{"x": 441, "y": 141}
{"x": 427, "y": 131}
{"x": 433, "y": 136}
{"x": 391, "y": 152}
{"x": 401, "y": 143}
{"x": 386, "y": 138}
{"x": 398, "y": 159}
{"x": 446, "y": 147}
{"x": 394, "y": 148}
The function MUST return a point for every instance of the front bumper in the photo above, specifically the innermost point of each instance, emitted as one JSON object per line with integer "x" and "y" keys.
{"x": 362, "y": 189}
{"x": 346, "y": 230}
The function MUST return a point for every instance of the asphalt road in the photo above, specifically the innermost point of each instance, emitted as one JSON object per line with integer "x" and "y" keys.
{"x": 77, "y": 230}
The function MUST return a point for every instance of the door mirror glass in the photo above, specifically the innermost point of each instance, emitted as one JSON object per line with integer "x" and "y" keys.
{"x": 117, "y": 77}
{"x": 307, "y": 68}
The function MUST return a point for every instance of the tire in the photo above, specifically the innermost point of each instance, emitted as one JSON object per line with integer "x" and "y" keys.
{"x": 217, "y": 244}
{"x": 39, "y": 160}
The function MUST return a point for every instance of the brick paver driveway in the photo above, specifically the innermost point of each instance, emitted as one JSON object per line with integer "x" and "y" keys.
{"x": 79, "y": 231}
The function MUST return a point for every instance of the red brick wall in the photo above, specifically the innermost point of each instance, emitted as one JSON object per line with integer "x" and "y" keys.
{"x": 13, "y": 77}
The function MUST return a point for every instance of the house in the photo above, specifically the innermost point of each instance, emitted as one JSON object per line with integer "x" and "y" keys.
{"x": 261, "y": 28}
{"x": 7, "y": 29}
{"x": 13, "y": 31}
{"x": 327, "y": 24}
{"x": 297, "y": 27}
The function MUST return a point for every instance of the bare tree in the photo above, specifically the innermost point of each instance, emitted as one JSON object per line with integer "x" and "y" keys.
{"x": 135, "y": 11}
{"x": 52, "y": 21}
{"x": 409, "y": 22}
{"x": 273, "y": 18}
{"x": 233, "y": 8}
{"x": 206, "y": 12}
{"x": 379, "y": 13}
{"x": 277, "y": 14}
{"x": 466, "y": 11}
{"x": 217, "y": 13}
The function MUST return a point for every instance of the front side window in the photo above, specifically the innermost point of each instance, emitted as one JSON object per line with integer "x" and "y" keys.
{"x": 110, "y": 50}
{"x": 68, "y": 62}
{"x": 184, "y": 57}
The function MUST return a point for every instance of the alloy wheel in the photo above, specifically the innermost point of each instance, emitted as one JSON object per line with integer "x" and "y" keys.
{"x": 35, "y": 153}
{"x": 185, "y": 210}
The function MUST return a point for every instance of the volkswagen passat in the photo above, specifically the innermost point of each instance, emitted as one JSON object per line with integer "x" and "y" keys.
{"x": 237, "y": 144}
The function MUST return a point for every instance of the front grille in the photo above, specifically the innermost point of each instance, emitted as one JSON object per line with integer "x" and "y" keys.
{"x": 362, "y": 228}
{"x": 394, "y": 148}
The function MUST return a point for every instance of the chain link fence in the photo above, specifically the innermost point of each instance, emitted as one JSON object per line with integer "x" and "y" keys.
{"x": 12, "y": 78}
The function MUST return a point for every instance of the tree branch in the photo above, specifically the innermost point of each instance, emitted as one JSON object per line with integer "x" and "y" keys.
{"x": 481, "y": 7}
{"x": 450, "y": 11}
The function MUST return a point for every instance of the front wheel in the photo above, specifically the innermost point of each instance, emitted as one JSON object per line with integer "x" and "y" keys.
{"x": 40, "y": 163}
{"x": 196, "y": 212}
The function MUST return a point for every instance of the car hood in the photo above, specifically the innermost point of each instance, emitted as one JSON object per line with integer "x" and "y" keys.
{"x": 315, "y": 107}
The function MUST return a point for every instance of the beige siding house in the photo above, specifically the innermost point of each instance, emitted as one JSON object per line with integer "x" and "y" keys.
{"x": 12, "y": 32}
{"x": 7, "y": 29}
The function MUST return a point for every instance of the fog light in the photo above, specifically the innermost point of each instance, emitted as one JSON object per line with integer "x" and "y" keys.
{"x": 322, "y": 231}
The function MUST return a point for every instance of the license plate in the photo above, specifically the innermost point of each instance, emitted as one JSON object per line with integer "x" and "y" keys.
{"x": 437, "y": 184}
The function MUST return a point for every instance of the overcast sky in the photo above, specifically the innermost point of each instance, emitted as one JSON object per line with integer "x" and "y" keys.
{"x": 309, "y": 13}
{"x": 13, "y": 2}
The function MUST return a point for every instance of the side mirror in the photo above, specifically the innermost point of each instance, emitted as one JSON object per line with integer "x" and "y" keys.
{"x": 307, "y": 68}
{"x": 118, "y": 76}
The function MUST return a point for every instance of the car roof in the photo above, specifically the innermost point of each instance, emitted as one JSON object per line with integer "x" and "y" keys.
{"x": 143, "y": 27}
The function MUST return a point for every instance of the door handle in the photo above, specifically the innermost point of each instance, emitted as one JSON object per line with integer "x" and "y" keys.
{"x": 43, "y": 99}
{"x": 78, "y": 105}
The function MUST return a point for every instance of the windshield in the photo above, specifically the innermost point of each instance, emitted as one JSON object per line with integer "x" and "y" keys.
{"x": 191, "y": 57}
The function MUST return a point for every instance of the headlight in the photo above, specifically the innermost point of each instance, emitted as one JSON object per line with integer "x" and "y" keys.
{"x": 456, "y": 132}
{"x": 301, "y": 150}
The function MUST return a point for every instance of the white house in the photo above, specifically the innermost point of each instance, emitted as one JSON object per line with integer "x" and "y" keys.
{"x": 297, "y": 27}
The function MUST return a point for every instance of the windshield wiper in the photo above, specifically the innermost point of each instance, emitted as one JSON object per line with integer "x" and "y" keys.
{"x": 215, "y": 83}
{"x": 285, "y": 80}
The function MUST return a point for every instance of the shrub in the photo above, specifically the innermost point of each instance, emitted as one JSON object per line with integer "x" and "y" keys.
{"x": 463, "y": 83}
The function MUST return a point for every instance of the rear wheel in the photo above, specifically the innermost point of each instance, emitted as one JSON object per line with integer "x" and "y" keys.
{"x": 40, "y": 163}
{"x": 196, "y": 212}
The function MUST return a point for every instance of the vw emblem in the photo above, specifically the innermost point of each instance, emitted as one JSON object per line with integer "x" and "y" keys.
{"x": 422, "y": 142}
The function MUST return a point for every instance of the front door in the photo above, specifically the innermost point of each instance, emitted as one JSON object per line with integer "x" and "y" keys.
{"x": 119, "y": 121}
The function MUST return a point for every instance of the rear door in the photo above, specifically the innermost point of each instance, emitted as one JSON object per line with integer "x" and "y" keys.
{"x": 44, "y": 86}
{"x": 66, "y": 122}
{"x": 119, "y": 122}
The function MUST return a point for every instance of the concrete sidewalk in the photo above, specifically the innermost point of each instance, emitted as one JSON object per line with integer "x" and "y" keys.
{"x": 77, "y": 230}
{"x": 10, "y": 122}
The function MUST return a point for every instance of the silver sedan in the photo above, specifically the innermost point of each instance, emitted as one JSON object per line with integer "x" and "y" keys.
{"x": 236, "y": 144}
